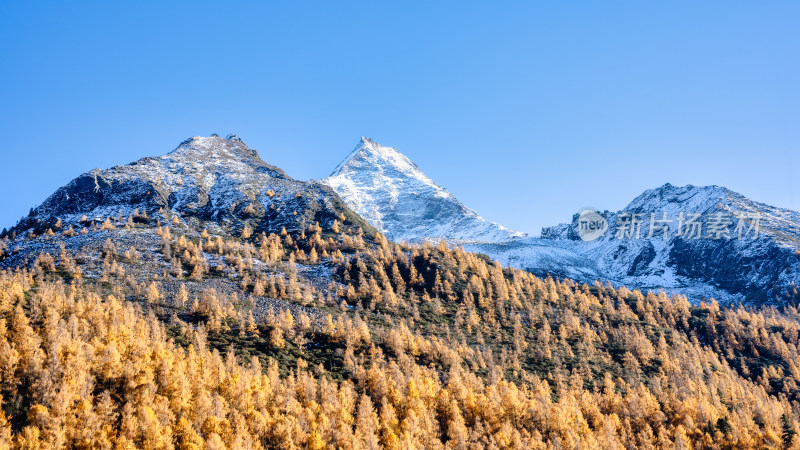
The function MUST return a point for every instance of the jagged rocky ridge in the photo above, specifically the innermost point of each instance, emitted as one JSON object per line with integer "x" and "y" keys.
{"x": 207, "y": 181}
{"x": 395, "y": 196}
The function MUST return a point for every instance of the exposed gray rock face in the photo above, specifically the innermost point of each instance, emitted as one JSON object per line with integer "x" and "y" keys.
{"x": 209, "y": 181}
{"x": 395, "y": 196}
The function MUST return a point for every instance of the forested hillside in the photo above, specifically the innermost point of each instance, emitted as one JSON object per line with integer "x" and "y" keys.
{"x": 156, "y": 335}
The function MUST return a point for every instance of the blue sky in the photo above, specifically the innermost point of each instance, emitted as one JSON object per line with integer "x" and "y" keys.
{"x": 526, "y": 111}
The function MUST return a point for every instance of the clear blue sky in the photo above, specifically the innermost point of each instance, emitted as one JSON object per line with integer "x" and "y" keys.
{"x": 526, "y": 111}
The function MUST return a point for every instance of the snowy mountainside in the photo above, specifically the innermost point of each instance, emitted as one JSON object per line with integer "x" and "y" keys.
{"x": 754, "y": 267}
{"x": 395, "y": 196}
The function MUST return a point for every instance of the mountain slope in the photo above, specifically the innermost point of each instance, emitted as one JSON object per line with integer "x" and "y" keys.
{"x": 395, "y": 196}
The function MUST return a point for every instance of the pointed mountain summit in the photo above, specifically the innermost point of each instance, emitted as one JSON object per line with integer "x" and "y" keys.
{"x": 391, "y": 193}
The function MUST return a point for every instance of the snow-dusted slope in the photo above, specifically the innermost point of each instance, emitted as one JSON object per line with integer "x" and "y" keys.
{"x": 730, "y": 268}
{"x": 217, "y": 181}
{"x": 395, "y": 196}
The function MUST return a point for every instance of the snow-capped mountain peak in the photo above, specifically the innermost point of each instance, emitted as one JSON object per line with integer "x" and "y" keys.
{"x": 752, "y": 257}
{"x": 393, "y": 194}
{"x": 696, "y": 198}
{"x": 778, "y": 223}
{"x": 209, "y": 181}
{"x": 216, "y": 149}
{"x": 369, "y": 154}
